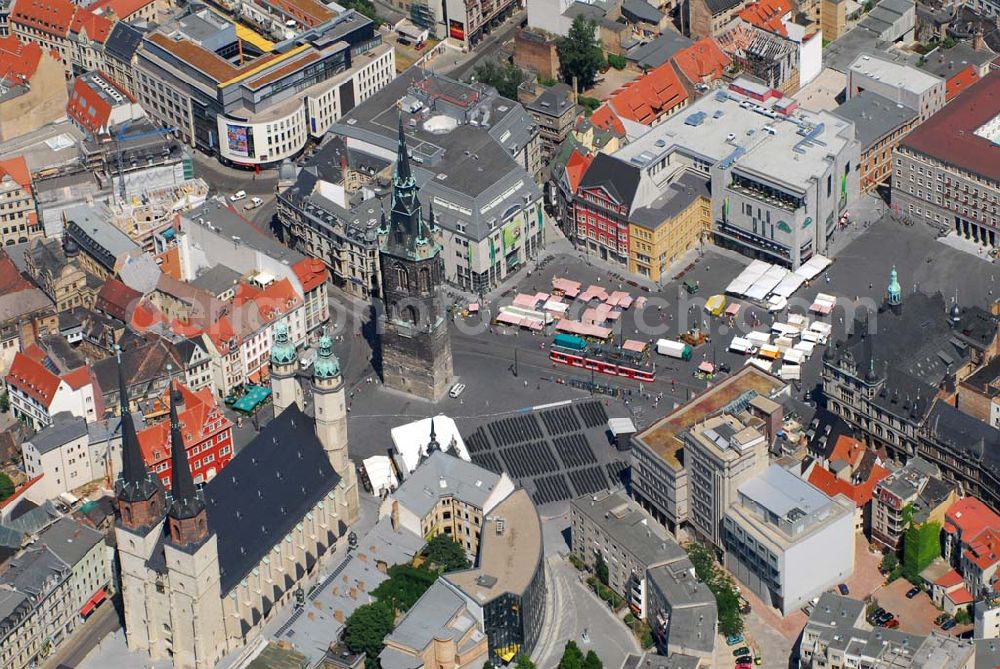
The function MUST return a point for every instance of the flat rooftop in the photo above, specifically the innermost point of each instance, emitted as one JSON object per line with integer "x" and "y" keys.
{"x": 874, "y": 116}
{"x": 510, "y": 551}
{"x": 896, "y": 73}
{"x": 630, "y": 526}
{"x": 719, "y": 125}
{"x": 663, "y": 437}
{"x": 965, "y": 135}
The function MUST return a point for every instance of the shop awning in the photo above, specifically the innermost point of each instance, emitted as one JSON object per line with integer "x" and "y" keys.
{"x": 93, "y": 602}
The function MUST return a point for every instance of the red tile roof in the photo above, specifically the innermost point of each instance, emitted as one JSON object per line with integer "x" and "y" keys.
{"x": 960, "y": 81}
{"x": 77, "y": 378}
{"x": 87, "y": 107}
{"x": 116, "y": 299}
{"x": 18, "y": 59}
{"x": 145, "y": 315}
{"x": 311, "y": 273}
{"x": 971, "y": 517}
{"x": 949, "y": 579}
{"x": 767, "y": 14}
{"x": 17, "y": 169}
{"x": 960, "y": 596}
{"x": 576, "y": 166}
{"x": 33, "y": 379}
{"x": 11, "y": 280}
{"x": 703, "y": 61}
{"x": 97, "y": 28}
{"x": 198, "y": 421}
{"x": 120, "y": 8}
{"x": 848, "y": 449}
{"x": 860, "y": 494}
{"x": 48, "y": 16}
{"x": 604, "y": 118}
{"x": 984, "y": 550}
{"x": 949, "y": 135}
{"x": 650, "y": 96}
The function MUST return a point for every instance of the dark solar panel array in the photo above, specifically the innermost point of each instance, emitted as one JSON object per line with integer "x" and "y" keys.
{"x": 574, "y": 451}
{"x": 552, "y": 488}
{"x": 477, "y": 442}
{"x": 617, "y": 471}
{"x": 588, "y": 479}
{"x": 489, "y": 460}
{"x": 556, "y": 454}
{"x": 561, "y": 420}
{"x": 593, "y": 414}
{"x": 529, "y": 459}
{"x": 515, "y": 429}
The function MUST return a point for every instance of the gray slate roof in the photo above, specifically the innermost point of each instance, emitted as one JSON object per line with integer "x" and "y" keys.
{"x": 428, "y": 616}
{"x": 65, "y": 428}
{"x": 629, "y": 527}
{"x": 874, "y": 117}
{"x": 660, "y": 50}
{"x": 70, "y": 540}
{"x": 442, "y": 474}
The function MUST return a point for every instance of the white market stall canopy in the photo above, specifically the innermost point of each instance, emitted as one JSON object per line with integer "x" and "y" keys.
{"x": 812, "y": 267}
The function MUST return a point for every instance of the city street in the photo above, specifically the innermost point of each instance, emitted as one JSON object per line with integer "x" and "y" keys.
{"x": 70, "y": 653}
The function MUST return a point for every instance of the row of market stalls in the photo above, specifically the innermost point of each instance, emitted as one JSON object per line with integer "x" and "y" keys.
{"x": 764, "y": 283}
{"x": 539, "y": 311}
{"x": 785, "y": 348}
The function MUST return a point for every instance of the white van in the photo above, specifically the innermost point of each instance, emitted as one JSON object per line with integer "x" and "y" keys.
{"x": 456, "y": 390}
{"x": 237, "y": 196}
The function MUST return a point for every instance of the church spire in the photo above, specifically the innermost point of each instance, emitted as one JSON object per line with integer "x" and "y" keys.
{"x": 135, "y": 482}
{"x": 403, "y": 173}
{"x": 185, "y": 500}
{"x": 433, "y": 444}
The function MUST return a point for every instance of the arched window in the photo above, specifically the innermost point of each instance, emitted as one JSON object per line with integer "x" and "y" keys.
{"x": 425, "y": 280}
{"x": 410, "y": 314}
{"x": 402, "y": 278}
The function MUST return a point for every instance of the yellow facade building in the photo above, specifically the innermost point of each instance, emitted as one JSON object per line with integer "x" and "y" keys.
{"x": 660, "y": 234}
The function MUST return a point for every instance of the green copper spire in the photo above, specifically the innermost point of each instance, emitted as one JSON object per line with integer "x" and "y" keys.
{"x": 894, "y": 291}
{"x": 327, "y": 366}
{"x": 283, "y": 350}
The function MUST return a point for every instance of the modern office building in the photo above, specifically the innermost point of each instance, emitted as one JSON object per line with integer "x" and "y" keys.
{"x": 681, "y": 611}
{"x": 786, "y": 540}
{"x": 464, "y": 21}
{"x": 946, "y": 171}
{"x": 901, "y": 83}
{"x": 251, "y": 107}
{"x": 475, "y": 157}
{"x": 661, "y": 472}
{"x": 880, "y": 125}
{"x": 613, "y": 527}
{"x": 781, "y": 176}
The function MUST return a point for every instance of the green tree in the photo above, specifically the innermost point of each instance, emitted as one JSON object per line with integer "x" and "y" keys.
{"x": 601, "y": 569}
{"x": 444, "y": 551}
{"x": 580, "y": 53}
{"x": 6, "y": 486}
{"x": 4, "y": 402}
{"x": 488, "y": 665}
{"x": 572, "y": 657}
{"x": 404, "y": 586}
{"x": 505, "y": 77}
{"x": 524, "y": 662}
{"x": 889, "y": 562}
{"x": 365, "y": 629}
{"x": 364, "y": 7}
{"x": 727, "y": 599}
{"x": 592, "y": 661}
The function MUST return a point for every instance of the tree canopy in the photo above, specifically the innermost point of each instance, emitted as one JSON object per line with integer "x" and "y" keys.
{"x": 445, "y": 552}
{"x": 6, "y": 486}
{"x": 572, "y": 657}
{"x": 365, "y": 629}
{"x": 580, "y": 54}
{"x": 404, "y": 586}
{"x": 592, "y": 661}
{"x": 505, "y": 77}
{"x": 727, "y": 599}
{"x": 921, "y": 544}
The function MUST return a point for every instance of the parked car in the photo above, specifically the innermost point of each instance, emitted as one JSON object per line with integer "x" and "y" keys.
{"x": 456, "y": 390}
{"x": 875, "y": 613}
{"x": 941, "y": 619}
{"x": 844, "y": 590}
{"x": 884, "y": 618}
{"x": 741, "y": 651}
{"x": 253, "y": 203}
{"x": 237, "y": 196}
{"x": 912, "y": 592}
{"x": 734, "y": 640}
{"x": 950, "y": 623}
{"x": 892, "y": 624}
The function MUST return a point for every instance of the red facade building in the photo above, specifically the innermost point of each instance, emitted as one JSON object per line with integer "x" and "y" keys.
{"x": 208, "y": 436}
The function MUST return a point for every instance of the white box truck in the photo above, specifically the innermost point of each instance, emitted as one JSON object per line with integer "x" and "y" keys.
{"x": 674, "y": 349}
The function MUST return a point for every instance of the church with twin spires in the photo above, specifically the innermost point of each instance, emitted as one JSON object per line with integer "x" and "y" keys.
{"x": 204, "y": 568}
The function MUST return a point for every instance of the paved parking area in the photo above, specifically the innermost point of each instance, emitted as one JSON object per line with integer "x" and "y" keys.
{"x": 916, "y": 615}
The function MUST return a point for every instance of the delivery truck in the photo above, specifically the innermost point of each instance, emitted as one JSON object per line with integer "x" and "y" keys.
{"x": 674, "y": 349}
